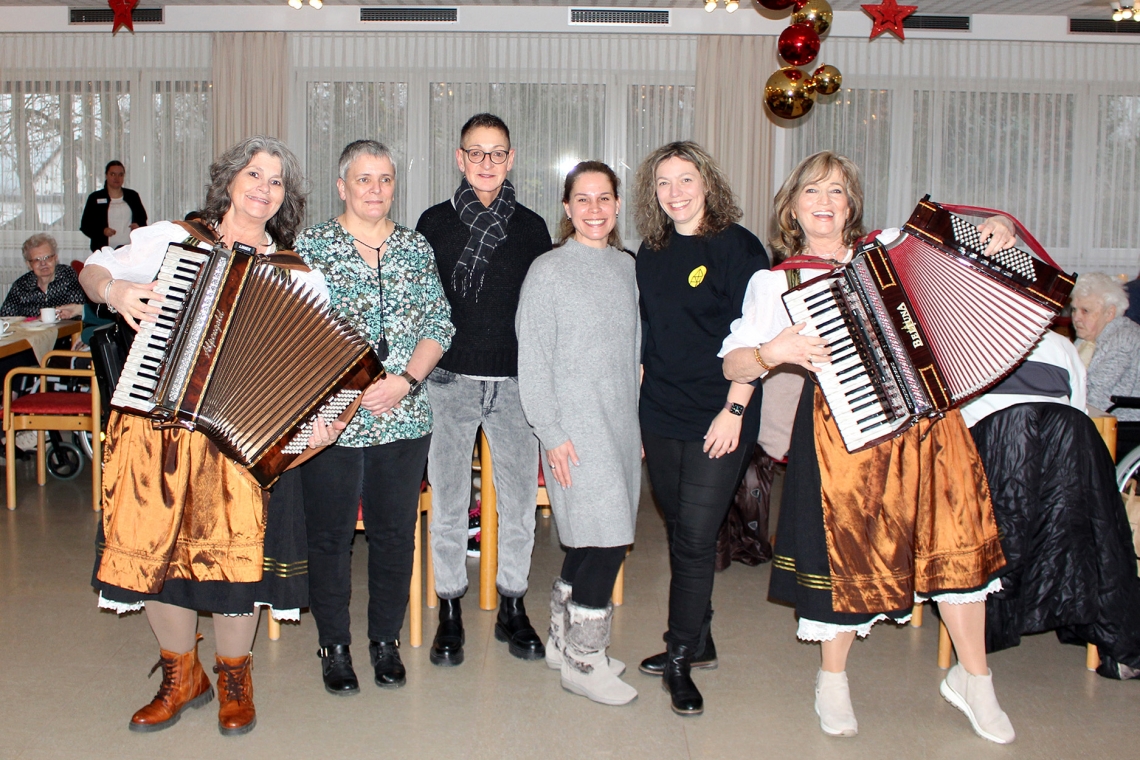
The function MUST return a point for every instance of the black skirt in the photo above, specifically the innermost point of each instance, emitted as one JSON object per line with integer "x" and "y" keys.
{"x": 801, "y": 571}
{"x": 284, "y": 583}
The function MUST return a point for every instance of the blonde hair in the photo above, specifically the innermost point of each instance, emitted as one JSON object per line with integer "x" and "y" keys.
{"x": 789, "y": 239}
{"x": 653, "y": 223}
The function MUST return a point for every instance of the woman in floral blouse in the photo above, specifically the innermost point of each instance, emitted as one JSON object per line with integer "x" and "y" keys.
{"x": 382, "y": 278}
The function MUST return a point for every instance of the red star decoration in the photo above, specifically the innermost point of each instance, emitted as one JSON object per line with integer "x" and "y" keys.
{"x": 888, "y": 16}
{"x": 122, "y": 9}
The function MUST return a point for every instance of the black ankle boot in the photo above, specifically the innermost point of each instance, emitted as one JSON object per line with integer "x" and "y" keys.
{"x": 686, "y": 699}
{"x": 706, "y": 660}
{"x": 336, "y": 669}
{"x": 387, "y": 665}
{"x": 513, "y": 627}
{"x": 447, "y": 648}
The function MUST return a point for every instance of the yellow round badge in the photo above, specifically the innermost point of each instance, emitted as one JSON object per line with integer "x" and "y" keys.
{"x": 697, "y": 276}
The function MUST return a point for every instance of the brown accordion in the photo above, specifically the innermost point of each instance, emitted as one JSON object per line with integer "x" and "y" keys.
{"x": 245, "y": 356}
{"x": 924, "y": 323}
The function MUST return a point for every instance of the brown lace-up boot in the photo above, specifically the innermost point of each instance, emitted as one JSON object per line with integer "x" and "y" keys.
{"x": 236, "y": 714}
{"x": 184, "y": 684}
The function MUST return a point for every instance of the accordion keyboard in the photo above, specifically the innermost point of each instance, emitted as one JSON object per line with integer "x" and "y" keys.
{"x": 140, "y": 376}
{"x": 860, "y": 403}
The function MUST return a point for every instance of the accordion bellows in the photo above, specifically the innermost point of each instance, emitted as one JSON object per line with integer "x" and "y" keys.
{"x": 246, "y": 356}
{"x": 924, "y": 323}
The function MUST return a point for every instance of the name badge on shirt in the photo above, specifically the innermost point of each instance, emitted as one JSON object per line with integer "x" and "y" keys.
{"x": 102, "y": 201}
{"x": 697, "y": 276}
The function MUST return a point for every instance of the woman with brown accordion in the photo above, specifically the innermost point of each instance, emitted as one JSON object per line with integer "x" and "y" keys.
{"x": 863, "y": 535}
{"x": 184, "y": 528}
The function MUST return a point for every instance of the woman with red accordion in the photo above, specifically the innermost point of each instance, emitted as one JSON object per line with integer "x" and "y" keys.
{"x": 863, "y": 536}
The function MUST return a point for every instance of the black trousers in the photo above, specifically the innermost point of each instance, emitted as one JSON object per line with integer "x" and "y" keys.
{"x": 694, "y": 493}
{"x": 384, "y": 480}
{"x": 592, "y": 571}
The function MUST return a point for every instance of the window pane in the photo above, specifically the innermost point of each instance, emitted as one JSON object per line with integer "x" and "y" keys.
{"x": 1117, "y": 210}
{"x": 558, "y": 125}
{"x": 183, "y": 131}
{"x": 856, "y": 124}
{"x": 341, "y": 112}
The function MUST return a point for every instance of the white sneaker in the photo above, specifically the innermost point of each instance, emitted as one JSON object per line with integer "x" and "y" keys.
{"x": 974, "y": 695}
{"x": 833, "y": 704}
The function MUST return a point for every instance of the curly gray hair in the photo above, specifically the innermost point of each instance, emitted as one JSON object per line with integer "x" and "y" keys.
{"x": 1100, "y": 287}
{"x": 38, "y": 239}
{"x": 285, "y": 223}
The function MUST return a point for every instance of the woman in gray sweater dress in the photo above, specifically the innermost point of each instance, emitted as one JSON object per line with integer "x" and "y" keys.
{"x": 579, "y": 343}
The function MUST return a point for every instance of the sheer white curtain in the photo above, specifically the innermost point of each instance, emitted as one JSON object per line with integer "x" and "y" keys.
{"x": 565, "y": 97}
{"x": 1045, "y": 131}
{"x": 250, "y": 79}
{"x": 69, "y": 103}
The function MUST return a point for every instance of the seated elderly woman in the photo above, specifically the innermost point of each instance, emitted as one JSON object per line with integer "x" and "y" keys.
{"x": 1109, "y": 345}
{"x": 1070, "y": 567}
{"x": 47, "y": 283}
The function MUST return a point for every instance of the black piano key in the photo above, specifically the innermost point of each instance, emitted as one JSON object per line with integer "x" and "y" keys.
{"x": 868, "y": 405}
{"x": 838, "y": 327}
{"x": 875, "y": 420}
{"x": 822, "y": 325}
{"x": 825, "y": 293}
{"x": 869, "y": 395}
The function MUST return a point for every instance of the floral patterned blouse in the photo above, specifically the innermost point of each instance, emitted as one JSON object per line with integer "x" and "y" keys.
{"x": 411, "y": 307}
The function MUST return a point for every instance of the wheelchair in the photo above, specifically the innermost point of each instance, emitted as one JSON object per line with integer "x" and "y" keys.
{"x": 1129, "y": 466}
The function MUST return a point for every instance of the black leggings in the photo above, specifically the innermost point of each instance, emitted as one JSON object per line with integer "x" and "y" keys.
{"x": 592, "y": 570}
{"x": 694, "y": 493}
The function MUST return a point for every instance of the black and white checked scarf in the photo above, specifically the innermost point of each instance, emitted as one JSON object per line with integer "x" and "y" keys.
{"x": 488, "y": 229}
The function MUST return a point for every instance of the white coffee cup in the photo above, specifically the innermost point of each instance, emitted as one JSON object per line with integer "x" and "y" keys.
{"x": 5, "y": 326}
{"x": 47, "y": 316}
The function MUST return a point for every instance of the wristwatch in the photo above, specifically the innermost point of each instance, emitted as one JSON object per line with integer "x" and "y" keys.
{"x": 413, "y": 383}
{"x": 737, "y": 409}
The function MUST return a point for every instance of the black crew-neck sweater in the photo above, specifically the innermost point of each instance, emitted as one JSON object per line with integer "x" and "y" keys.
{"x": 691, "y": 291}
{"x": 484, "y": 342}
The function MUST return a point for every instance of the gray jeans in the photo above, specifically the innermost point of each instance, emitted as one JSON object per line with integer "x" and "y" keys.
{"x": 460, "y": 406}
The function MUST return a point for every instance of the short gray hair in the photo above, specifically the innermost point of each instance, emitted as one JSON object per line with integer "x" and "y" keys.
{"x": 355, "y": 150}
{"x": 1108, "y": 290}
{"x": 38, "y": 239}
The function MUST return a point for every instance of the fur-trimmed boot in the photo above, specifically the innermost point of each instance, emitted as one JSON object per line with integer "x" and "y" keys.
{"x": 974, "y": 695}
{"x": 236, "y": 713}
{"x": 833, "y": 704}
{"x": 184, "y": 684}
{"x": 585, "y": 669}
{"x": 559, "y": 619}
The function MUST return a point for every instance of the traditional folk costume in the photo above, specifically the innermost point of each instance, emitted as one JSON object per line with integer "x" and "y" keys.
{"x": 182, "y": 524}
{"x": 863, "y": 536}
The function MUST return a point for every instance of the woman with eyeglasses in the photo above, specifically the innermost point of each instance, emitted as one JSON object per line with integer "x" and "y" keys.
{"x": 48, "y": 284}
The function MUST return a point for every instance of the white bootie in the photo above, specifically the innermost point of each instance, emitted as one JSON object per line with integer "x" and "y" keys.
{"x": 833, "y": 704}
{"x": 585, "y": 669}
{"x": 555, "y": 642}
{"x": 974, "y": 695}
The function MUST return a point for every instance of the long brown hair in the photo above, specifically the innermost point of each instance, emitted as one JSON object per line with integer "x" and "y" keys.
{"x": 566, "y": 227}
{"x": 654, "y": 225}
{"x": 789, "y": 239}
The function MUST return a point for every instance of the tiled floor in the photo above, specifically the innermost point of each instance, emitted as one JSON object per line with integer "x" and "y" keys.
{"x": 71, "y": 676}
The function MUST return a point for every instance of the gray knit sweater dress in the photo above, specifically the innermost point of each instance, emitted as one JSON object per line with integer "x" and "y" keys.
{"x": 579, "y": 349}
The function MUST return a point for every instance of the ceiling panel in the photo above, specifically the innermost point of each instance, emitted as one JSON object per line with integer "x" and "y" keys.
{"x": 1079, "y": 8}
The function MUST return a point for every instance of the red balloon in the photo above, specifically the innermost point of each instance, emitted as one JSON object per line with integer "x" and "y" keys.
{"x": 777, "y": 5}
{"x": 799, "y": 44}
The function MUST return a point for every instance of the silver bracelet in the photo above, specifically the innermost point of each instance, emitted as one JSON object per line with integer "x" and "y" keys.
{"x": 106, "y": 295}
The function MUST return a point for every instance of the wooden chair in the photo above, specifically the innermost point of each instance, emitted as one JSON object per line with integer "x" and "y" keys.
{"x": 53, "y": 410}
{"x": 415, "y": 593}
{"x": 1106, "y": 426}
{"x": 489, "y": 525}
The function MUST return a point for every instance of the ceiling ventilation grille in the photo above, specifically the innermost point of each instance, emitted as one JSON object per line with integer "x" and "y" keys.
{"x": 1102, "y": 26}
{"x": 939, "y": 23}
{"x": 107, "y": 16}
{"x": 415, "y": 15}
{"x": 619, "y": 17}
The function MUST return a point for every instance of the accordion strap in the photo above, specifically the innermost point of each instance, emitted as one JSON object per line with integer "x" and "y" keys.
{"x": 1025, "y": 234}
{"x": 805, "y": 262}
{"x": 288, "y": 260}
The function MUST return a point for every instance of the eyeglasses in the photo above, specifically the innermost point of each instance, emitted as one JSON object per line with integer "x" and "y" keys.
{"x": 476, "y": 156}
{"x": 42, "y": 259}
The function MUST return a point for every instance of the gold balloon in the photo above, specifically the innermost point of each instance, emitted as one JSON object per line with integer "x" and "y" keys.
{"x": 826, "y": 80}
{"x": 788, "y": 93}
{"x": 817, "y": 13}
